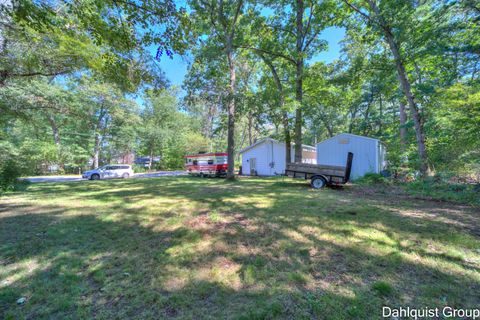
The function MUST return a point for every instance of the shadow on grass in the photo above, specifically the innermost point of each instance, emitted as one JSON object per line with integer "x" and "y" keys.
{"x": 267, "y": 261}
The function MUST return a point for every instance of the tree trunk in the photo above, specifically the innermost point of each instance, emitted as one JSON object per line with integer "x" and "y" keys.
{"x": 367, "y": 112}
{"x": 366, "y": 120}
{"x": 208, "y": 128}
{"x": 96, "y": 150}
{"x": 327, "y": 126}
{"x": 56, "y": 139}
{"x": 299, "y": 81}
{"x": 55, "y": 132}
{"x": 231, "y": 112}
{"x": 3, "y": 73}
{"x": 406, "y": 88}
{"x": 150, "y": 161}
{"x": 403, "y": 129}
{"x": 412, "y": 105}
{"x": 353, "y": 115}
{"x": 288, "y": 138}
{"x": 380, "y": 121}
{"x": 250, "y": 125}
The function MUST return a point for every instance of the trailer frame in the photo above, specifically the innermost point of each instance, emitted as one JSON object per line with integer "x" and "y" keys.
{"x": 321, "y": 175}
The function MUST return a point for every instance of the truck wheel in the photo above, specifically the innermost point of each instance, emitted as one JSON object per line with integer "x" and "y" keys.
{"x": 318, "y": 182}
{"x": 95, "y": 177}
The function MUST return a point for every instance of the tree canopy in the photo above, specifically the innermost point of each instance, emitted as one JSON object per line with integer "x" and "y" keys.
{"x": 81, "y": 85}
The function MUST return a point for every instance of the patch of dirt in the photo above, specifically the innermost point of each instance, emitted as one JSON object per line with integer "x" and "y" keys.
{"x": 236, "y": 219}
{"x": 225, "y": 263}
{"x": 211, "y": 190}
{"x": 95, "y": 295}
{"x": 396, "y": 200}
{"x": 199, "y": 222}
{"x": 226, "y": 221}
{"x": 395, "y": 192}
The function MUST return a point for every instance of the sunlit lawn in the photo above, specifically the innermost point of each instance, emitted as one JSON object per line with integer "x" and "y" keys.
{"x": 191, "y": 248}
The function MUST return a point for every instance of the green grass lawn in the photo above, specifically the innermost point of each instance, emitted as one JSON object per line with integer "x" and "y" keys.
{"x": 191, "y": 248}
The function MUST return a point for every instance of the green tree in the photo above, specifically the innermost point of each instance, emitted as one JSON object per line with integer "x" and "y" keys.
{"x": 395, "y": 22}
{"x": 219, "y": 21}
{"x": 292, "y": 33}
{"x": 107, "y": 112}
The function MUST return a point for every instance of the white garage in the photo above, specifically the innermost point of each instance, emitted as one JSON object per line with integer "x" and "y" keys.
{"x": 266, "y": 157}
{"x": 369, "y": 154}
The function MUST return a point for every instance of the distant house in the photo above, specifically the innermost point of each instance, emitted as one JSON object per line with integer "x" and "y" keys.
{"x": 369, "y": 154}
{"x": 266, "y": 157}
{"x": 145, "y": 161}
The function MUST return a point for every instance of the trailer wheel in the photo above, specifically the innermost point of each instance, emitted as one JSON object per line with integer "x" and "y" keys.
{"x": 318, "y": 182}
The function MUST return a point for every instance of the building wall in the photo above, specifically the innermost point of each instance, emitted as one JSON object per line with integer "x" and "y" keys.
{"x": 259, "y": 152}
{"x": 276, "y": 152}
{"x": 334, "y": 151}
{"x": 308, "y": 156}
{"x": 270, "y": 158}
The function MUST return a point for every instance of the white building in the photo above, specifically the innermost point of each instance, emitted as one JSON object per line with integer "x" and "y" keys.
{"x": 369, "y": 154}
{"x": 266, "y": 157}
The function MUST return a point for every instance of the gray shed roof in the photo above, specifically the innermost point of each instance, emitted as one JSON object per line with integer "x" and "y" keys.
{"x": 350, "y": 135}
{"x": 272, "y": 140}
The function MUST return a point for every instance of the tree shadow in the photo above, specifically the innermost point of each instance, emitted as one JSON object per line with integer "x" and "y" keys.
{"x": 247, "y": 250}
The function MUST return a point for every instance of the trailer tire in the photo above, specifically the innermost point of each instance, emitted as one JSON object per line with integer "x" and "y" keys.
{"x": 318, "y": 182}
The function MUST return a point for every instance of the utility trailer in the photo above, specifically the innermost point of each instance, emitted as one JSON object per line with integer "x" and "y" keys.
{"x": 321, "y": 175}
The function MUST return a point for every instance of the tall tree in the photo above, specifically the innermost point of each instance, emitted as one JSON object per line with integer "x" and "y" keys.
{"x": 389, "y": 20}
{"x": 107, "y": 38}
{"x": 105, "y": 109}
{"x": 281, "y": 98}
{"x": 158, "y": 123}
{"x": 219, "y": 21}
{"x": 292, "y": 33}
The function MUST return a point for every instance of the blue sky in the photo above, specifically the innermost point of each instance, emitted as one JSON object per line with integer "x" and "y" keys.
{"x": 333, "y": 35}
{"x": 176, "y": 68}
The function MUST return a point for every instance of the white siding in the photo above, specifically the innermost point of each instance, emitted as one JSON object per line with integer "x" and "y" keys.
{"x": 365, "y": 151}
{"x": 258, "y": 152}
{"x": 276, "y": 157}
{"x": 270, "y": 158}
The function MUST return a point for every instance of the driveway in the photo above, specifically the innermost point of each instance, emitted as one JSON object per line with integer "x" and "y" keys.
{"x": 65, "y": 178}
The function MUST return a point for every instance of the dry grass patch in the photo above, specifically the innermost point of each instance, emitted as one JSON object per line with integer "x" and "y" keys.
{"x": 180, "y": 247}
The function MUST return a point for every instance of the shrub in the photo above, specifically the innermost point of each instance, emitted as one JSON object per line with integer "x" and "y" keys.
{"x": 138, "y": 168}
{"x": 372, "y": 178}
{"x": 456, "y": 192}
{"x": 457, "y": 187}
{"x": 9, "y": 174}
